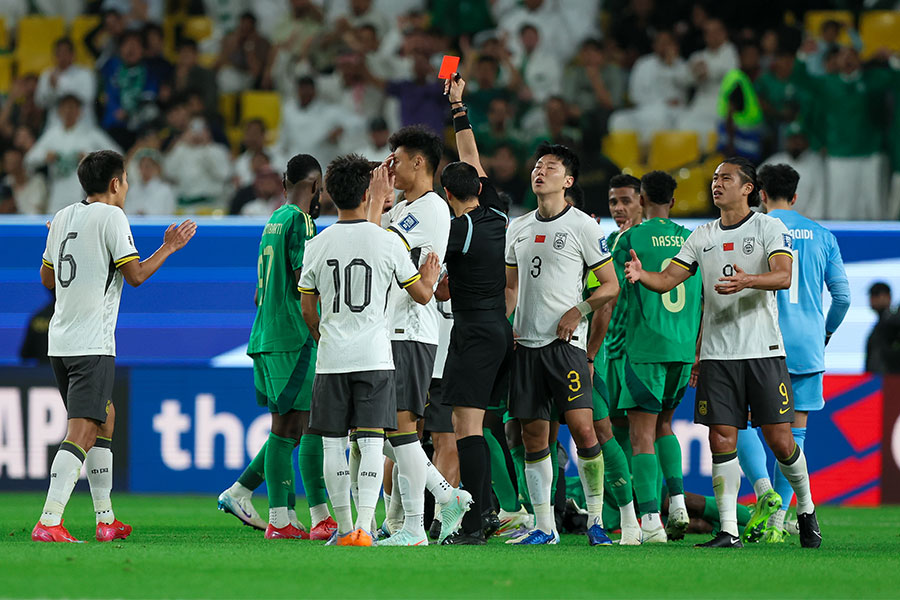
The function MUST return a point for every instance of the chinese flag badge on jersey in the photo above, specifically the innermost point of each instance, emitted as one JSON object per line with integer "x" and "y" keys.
{"x": 539, "y": 239}
{"x": 728, "y": 247}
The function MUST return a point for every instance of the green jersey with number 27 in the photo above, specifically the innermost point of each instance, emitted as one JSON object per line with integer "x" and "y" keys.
{"x": 658, "y": 327}
{"x": 279, "y": 325}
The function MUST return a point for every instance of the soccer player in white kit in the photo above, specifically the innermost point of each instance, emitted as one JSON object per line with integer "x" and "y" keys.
{"x": 743, "y": 256}
{"x": 89, "y": 251}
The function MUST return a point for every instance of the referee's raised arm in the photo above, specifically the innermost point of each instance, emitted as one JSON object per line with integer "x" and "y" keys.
{"x": 465, "y": 137}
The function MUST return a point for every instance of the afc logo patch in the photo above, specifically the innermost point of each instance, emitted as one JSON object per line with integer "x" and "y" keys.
{"x": 559, "y": 241}
{"x": 408, "y": 223}
{"x": 748, "y": 244}
{"x": 788, "y": 240}
{"x": 701, "y": 408}
{"x": 130, "y": 241}
{"x": 603, "y": 247}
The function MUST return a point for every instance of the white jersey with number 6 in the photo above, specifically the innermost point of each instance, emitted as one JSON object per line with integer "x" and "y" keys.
{"x": 86, "y": 245}
{"x": 352, "y": 265}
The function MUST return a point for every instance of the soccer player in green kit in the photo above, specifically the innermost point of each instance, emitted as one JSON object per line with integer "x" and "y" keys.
{"x": 660, "y": 344}
{"x": 284, "y": 358}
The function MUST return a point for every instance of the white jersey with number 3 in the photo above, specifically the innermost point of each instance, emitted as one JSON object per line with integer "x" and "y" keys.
{"x": 86, "y": 245}
{"x": 552, "y": 257}
{"x": 742, "y": 325}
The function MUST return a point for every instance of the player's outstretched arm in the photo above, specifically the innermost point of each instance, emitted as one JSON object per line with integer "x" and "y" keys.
{"x": 175, "y": 238}
{"x": 603, "y": 295}
{"x": 778, "y": 277}
{"x": 465, "y": 138}
{"x": 309, "y": 307}
{"x": 652, "y": 280}
{"x": 422, "y": 289}
{"x": 512, "y": 289}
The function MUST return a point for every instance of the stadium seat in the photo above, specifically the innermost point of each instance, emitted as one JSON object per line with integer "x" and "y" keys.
{"x": 234, "y": 135}
{"x": 228, "y": 108}
{"x": 81, "y": 26}
{"x": 879, "y": 29}
{"x": 671, "y": 150}
{"x": 197, "y": 28}
{"x": 692, "y": 196}
{"x": 261, "y": 105}
{"x": 623, "y": 148}
{"x": 4, "y": 34}
{"x": 6, "y": 66}
{"x": 813, "y": 20}
{"x": 35, "y": 37}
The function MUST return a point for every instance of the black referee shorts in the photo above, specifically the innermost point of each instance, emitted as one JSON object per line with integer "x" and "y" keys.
{"x": 478, "y": 358}
{"x": 728, "y": 389}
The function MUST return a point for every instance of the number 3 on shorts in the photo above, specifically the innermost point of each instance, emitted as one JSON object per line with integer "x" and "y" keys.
{"x": 574, "y": 381}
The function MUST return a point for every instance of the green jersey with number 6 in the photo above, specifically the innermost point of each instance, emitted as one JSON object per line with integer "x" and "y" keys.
{"x": 658, "y": 327}
{"x": 279, "y": 324}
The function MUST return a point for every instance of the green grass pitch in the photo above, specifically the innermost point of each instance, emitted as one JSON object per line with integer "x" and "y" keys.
{"x": 182, "y": 547}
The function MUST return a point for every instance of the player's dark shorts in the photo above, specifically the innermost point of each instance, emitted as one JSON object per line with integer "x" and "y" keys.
{"x": 438, "y": 416}
{"x": 478, "y": 359}
{"x": 341, "y": 401}
{"x": 615, "y": 381}
{"x": 85, "y": 384}
{"x": 728, "y": 389}
{"x": 601, "y": 393}
{"x": 414, "y": 366}
{"x": 284, "y": 380}
{"x": 554, "y": 375}
{"x": 654, "y": 387}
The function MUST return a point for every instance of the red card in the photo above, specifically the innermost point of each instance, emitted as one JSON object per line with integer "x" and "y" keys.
{"x": 449, "y": 65}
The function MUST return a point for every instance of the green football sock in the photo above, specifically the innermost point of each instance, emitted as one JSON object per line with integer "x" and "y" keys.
{"x": 518, "y": 456}
{"x": 623, "y": 436}
{"x": 312, "y": 469}
{"x": 255, "y": 473}
{"x": 669, "y": 451}
{"x": 645, "y": 483}
{"x": 618, "y": 477}
{"x": 292, "y": 495}
{"x": 279, "y": 471}
{"x": 554, "y": 461}
{"x": 500, "y": 480}
{"x": 711, "y": 512}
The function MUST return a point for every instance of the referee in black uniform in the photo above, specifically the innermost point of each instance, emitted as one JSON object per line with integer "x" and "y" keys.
{"x": 481, "y": 340}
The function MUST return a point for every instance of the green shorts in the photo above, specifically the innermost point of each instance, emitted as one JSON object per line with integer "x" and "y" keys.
{"x": 615, "y": 383}
{"x": 654, "y": 387}
{"x": 601, "y": 394}
{"x": 284, "y": 380}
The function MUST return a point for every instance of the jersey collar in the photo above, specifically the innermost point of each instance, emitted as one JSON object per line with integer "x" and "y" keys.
{"x": 538, "y": 216}
{"x": 738, "y": 224}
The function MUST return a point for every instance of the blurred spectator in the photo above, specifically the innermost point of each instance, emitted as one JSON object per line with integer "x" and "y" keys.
{"x": 310, "y": 125}
{"x": 594, "y": 87}
{"x": 377, "y": 147}
{"x": 148, "y": 194}
{"x": 505, "y": 173}
{"x": 657, "y": 88}
{"x": 34, "y": 343}
{"x": 103, "y": 40}
{"x": 553, "y": 125}
{"x": 293, "y": 41}
{"x": 708, "y": 68}
{"x": 768, "y": 48}
{"x": 138, "y": 12}
{"x": 161, "y": 69}
{"x": 27, "y": 190}
{"x": 130, "y": 91}
{"x": 242, "y": 58}
{"x": 361, "y": 12}
{"x": 636, "y": 27}
{"x": 458, "y": 17}
{"x": 817, "y": 50}
{"x": 691, "y": 32}
{"x": 750, "y": 58}
{"x": 498, "y": 130}
{"x": 190, "y": 76}
{"x": 349, "y": 88}
{"x": 199, "y": 168}
{"x": 883, "y": 343}
{"x": 61, "y": 147}
{"x": 809, "y": 164}
{"x": 781, "y": 94}
{"x": 247, "y": 193}
{"x": 13, "y": 11}
{"x": 485, "y": 88}
{"x": 67, "y": 9}
{"x": 65, "y": 77}
{"x": 24, "y": 138}
{"x": 21, "y": 107}
{"x": 269, "y": 194}
{"x": 559, "y": 37}
{"x": 740, "y": 125}
{"x": 540, "y": 70}
{"x": 421, "y": 98}
{"x": 253, "y": 142}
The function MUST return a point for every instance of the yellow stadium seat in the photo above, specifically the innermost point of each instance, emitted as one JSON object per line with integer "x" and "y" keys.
{"x": 234, "y": 135}
{"x": 261, "y": 105}
{"x": 34, "y": 42}
{"x": 692, "y": 196}
{"x": 4, "y": 34}
{"x": 228, "y": 108}
{"x": 880, "y": 29}
{"x": 813, "y": 20}
{"x": 81, "y": 26}
{"x": 623, "y": 148}
{"x": 6, "y": 66}
{"x": 197, "y": 28}
{"x": 670, "y": 150}
{"x": 171, "y": 23}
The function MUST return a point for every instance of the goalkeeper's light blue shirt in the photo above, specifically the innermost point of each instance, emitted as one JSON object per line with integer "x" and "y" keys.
{"x": 817, "y": 263}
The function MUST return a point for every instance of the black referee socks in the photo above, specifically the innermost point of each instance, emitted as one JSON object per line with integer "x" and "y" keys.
{"x": 474, "y": 470}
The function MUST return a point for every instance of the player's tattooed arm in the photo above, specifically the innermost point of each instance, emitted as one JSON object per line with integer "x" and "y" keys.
{"x": 309, "y": 307}
{"x": 137, "y": 272}
{"x": 652, "y": 280}
{"x": 778, "y": 277}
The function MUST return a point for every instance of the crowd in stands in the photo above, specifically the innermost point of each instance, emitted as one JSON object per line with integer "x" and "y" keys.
{"x": 209, "y": 98}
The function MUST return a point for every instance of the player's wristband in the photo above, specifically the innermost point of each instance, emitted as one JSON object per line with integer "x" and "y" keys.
{"x": 584, "y": 308}
{"x": 461, "y": 123}
{"x": 590, "y": 361}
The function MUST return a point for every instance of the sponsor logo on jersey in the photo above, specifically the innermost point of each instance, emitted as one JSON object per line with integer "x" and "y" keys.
{"x": 603, "y": 247}
{"x": 748, "y": 245}
{"x": 728, "y": 246}
{"x": 788, "y": 240}
{"x": 539, "y": 239}
{"x": 408, "y": 223}
{"x": 560, "y": 242}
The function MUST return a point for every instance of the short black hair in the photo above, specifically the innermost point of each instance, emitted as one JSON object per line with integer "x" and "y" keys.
{"x": 461, "y": 180}
{"x": 658, "y": 187}
{"x": 565, "y": 155}
{"x": 625, "y": 180}
{"x": 299, "y": 168}
{"x": 247, "y": 15}
{"x": 487, "y": 58}
{"x": 187, "y": 43}
{"x": 878, "y": 288}
{"x": 419, "y": 140}
{"x": 347, "y": 180}
{"x": 97, "y": 169}
{"x": 151, "y": 28}
{"x": 576, "y": 195}
{"x": 254, "y": 121}
{"x": 779, "y": 182}
{"x": 747, "y": 171}
{"x": 64, "y": 41}
{"x": 129, "y": 34}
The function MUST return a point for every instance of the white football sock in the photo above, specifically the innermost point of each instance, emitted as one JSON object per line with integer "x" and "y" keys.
{"x": 796, "y": 473}
{"x": 370, "y": 467}
{"x": 64, "y": 473}
{"x": 761, "y": 486}
{"x": 651, "y": 522}
{"x": 435, "y": 482}
{"x": 354, "y": 471}
{"x": 726, "y": 482}
{"x": 278, "y": 517}
{"x": 395, "y": 512}
{"x": 627, "y": 516}
{"x": 337, "y": 480}
{"x": 318, "y": 513}
{"x": 676, "y": 502}
{"x": 590, "y": 471}
{"x": 539, "y": 477}
{"x": 99, "y": 464}
{"x": 411, "y": 481}
{"x": 776, "y": 521}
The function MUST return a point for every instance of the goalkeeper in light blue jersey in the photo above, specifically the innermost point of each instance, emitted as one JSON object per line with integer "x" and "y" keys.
{"x": 806, "y": 330}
